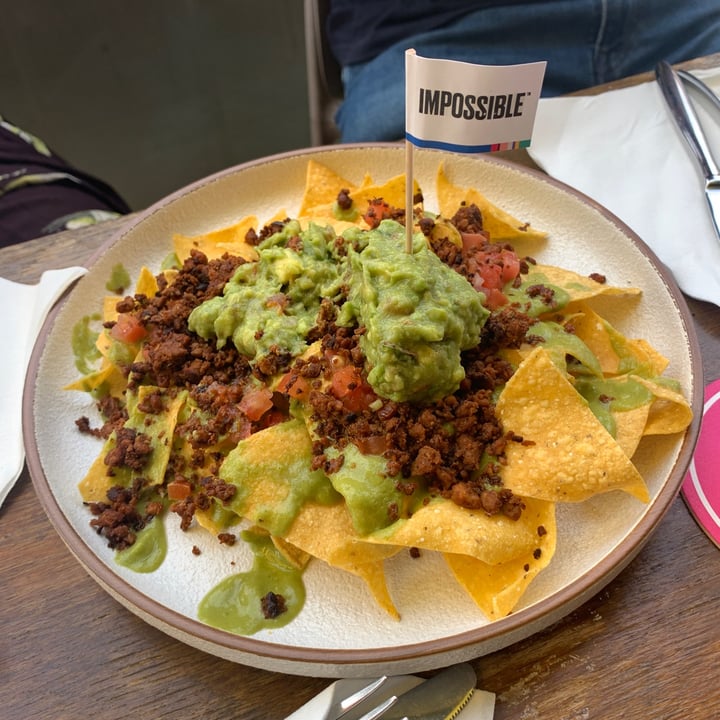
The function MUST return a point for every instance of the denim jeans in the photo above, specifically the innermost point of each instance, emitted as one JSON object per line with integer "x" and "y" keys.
{"x": 585, "y": 43}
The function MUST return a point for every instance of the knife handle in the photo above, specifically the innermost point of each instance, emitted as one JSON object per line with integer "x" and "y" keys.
{"x": 684, "y": 114}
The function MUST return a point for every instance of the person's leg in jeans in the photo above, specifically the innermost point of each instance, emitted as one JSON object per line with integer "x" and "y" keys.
{"x": 585, "y": 43}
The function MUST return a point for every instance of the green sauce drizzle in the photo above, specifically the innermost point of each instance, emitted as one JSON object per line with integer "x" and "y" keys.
{"x": 170, "y": 262}
{"x": 119, "y": 279}
{"x": 148, "y": 551}
{"x": 350, "y": 215}
{"x": 286, "y": 479}
{"x": 235, "y": 604}
{"x": 83, "y": 343}
{"x": 606, "y": 395}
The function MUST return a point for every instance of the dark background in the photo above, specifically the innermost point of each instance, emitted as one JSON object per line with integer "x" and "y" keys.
{"x": 151, "y": 95}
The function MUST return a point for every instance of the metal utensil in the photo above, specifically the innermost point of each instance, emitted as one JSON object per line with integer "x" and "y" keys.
{"x": 442, "y": 697}
{"x": 700, "y": 86}
{"x": 409, "y": 697}
{"x": 683, "y": 113}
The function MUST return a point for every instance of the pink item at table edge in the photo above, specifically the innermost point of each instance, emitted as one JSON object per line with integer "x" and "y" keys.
{"x": 701, "y": 487}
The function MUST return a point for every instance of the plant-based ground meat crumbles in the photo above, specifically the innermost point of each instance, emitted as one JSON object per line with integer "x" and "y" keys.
{"x": 334, "y": 387}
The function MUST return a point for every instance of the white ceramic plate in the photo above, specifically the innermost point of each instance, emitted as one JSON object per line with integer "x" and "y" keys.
{"x": 341, "y": 631}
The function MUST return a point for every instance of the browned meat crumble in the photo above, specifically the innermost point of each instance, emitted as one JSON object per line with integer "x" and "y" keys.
{"x": 443, "y": 443}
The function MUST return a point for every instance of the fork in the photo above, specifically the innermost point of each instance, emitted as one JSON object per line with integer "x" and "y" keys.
{"x": 360, "y": 696}
{"x": 387, "y": 689}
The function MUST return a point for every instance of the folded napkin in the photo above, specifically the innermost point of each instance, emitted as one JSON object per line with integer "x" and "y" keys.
{"x": 623, "y": 150}
{"x": 480, "y": 707}
{"x": 25, "y": 308}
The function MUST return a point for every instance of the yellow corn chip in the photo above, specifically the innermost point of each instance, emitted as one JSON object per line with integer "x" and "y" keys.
{"x": 501, "y": 225}
{"x": 567, "y": 455}
{"x": 322, "y": 186}
{"x": 578, "y": 287}
{"x": 216, "y": 243}
{"x": 669, "y": 413}
{"x": 444, "y": 526}
{"x": 496, "y": 589}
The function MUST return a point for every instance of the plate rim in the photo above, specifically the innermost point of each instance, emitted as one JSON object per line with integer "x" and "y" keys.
{"x": 301, "y": 659}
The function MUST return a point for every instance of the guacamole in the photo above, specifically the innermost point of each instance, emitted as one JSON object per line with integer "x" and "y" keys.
{"x": 418, "y": 313}
{"x": 274, "y": 301}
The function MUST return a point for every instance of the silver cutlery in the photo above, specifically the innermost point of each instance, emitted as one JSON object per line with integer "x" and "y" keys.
{"x": 441, "y": 697}
{"x": 684, "y": 115}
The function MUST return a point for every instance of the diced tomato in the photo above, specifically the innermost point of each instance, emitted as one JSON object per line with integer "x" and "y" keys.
{"x": 371, "y": 445}
{"x": 493, "y": 268}
{"x": 511, "y": 266}
{"x": 178, "y": 489}
{"x": 349, "y": 386}
{"x": 128, "y": 329}
{"x": 256, "y": 402}
{"x": 471, "y": 241}
{"x": 377, "y": 211}
{"x": 294, "y": 386}
{"x": 494, "y": 299}
{"x": 273, "y": 417}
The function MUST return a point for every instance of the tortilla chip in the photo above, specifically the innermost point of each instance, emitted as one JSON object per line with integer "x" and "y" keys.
{"x": 592, "y": 330}
{"x": 496, "y": 589}
{"x": 94, "y": 486}
{"x": 392, "y": 192}
{"x": 616, "y": 353}
{"x": 323, "y": 213}
{"x": 322, "y": 186}
{"x": 630, "y": 427}
{"x": 160, "y": 428}
{"x": 501, "y": 225}
{"x": 669, "y": 413}
{"x": 578, "y": 287}
{"x": 327, "y": 533}
{"x": 108, "y": 376}
{"x": 272, "y": 483}
{"x": 443, "y": 526}
{"x": 296, "y": 557}
{"x": 567, "y": 455}
{"x": 655, "y": 362}
{"x": 146, "y": 283}
{"x": 216, "y": 243}
{"x": 215, "y": 519}
{"x": 277, "y": 491}
{"x": 109, "y": 308}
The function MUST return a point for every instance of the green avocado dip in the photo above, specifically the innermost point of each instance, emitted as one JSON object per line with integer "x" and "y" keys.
{"x": 418, "y": 313}
{"x": 275, "y": 300}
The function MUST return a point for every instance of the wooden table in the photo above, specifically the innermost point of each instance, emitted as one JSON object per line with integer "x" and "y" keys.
{"x": 647, "y": 646}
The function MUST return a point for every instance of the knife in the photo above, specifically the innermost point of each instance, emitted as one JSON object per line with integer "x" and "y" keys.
{"x": 441, "y": 697}
{"x": 683, "y": 113}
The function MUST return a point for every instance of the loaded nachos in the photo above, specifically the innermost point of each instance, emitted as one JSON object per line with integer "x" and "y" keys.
{"x": 308, "y": 386}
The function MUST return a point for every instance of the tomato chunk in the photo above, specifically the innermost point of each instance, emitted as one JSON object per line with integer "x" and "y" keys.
{"x": 178, "y": 489}
{"x": 493, "y": 267}
{"x": 371, "y": 445}
{"x": 294, "y": 385}
{"x": 128, "y": 329}
{"x": 377, "y": 211}
{"x": 256, "y": 402}
{"x": 349, "y": 386}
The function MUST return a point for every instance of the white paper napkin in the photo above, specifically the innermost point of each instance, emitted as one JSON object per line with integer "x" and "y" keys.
{"x": 623, "y": 150}
{"x": 480, "y": 707}
{"x": 24, "y": 310}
